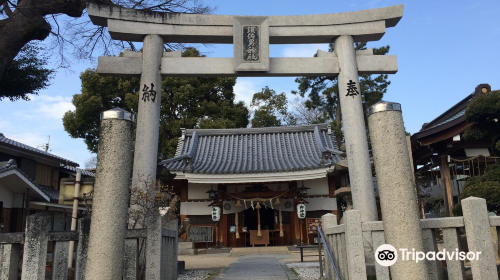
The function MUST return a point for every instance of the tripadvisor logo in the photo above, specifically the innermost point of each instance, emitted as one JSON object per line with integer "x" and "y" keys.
{"x": 387, "y": 255}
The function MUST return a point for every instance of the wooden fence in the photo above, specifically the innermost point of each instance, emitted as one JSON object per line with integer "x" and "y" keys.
{"x": 161, "y": 251}
{"x": 346, "y": 243}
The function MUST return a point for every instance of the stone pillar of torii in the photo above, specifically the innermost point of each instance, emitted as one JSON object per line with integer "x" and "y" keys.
{"x": 251, "y": 36}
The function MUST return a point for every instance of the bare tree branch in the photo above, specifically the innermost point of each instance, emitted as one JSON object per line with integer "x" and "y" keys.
{"x": 29, "y": 20}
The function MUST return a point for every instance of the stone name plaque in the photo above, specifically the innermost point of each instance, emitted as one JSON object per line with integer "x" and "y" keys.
{"x": 201, "y": 234}
{"x": 251, "y": 43}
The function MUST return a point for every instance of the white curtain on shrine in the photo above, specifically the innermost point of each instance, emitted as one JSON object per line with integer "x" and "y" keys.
{"x": 321, "y": 203}
{"x": 196, "y": 208}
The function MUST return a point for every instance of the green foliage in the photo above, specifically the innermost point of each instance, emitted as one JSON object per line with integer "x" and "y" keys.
{"x": 486, "y": 186}
{"x": 26, "y": 74}
{"x": 185, "y": 103}
{"x": 322, "y": 92}
{"x": 484, "y": 114}
{"x": 272, "y": 109}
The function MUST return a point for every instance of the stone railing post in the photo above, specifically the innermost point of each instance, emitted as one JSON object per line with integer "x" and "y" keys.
{"x": 9, "y": 261}
{"x": 356, "y": 265}
{"x": 82, "y": 249}
{"x": 60, "y": 260}
{"x": 477, "y": 228}
{"x": 398, "y": 199}
{"x": 329, "y": 220}
{"x": 434, "y": 267}
{"x": 35, "y": 246}
{"x": 111, "y": 196}
{"x": 131, "y": 259}
{"x": 175, "y": 251}
{"x": 154, "y": 246}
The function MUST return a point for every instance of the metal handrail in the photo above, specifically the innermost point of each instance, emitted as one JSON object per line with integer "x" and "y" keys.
{"x": 328, "y": 252}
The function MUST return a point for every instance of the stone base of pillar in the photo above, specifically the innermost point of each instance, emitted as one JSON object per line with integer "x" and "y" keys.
{"x": 181, "y": 267}
{"x": 187, "y": 248}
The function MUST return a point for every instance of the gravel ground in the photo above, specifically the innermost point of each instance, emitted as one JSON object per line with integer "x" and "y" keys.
{"x": 196, "y": 274}
{"x": 307, "y": 271}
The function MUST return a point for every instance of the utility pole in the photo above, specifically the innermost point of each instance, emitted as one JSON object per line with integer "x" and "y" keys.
{"x": 47, "y": 145}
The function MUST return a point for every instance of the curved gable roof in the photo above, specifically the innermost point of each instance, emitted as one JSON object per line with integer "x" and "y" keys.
{"x": 255, "y": 150}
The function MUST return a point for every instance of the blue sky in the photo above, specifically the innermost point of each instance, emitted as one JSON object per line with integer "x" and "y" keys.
{"x": 444, "y": 49}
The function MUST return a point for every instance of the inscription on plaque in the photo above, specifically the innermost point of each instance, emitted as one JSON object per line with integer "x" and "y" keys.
{"x": 201, "y": 234}
{"x": 251, "y": 43}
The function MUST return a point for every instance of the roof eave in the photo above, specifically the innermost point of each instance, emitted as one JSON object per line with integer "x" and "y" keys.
{"x": 203, "y": 178}
{"x": 39, "y": 155}
{"x": 26, "y": 180}
{"x": 448, "y": 113}
{"x": 422, "y": 134}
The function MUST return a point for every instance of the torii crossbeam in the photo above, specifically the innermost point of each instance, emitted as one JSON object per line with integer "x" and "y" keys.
{"x": 134, "y": 25}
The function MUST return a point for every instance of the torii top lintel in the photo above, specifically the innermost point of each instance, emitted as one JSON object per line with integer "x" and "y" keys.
{"x": 133, "y": 25}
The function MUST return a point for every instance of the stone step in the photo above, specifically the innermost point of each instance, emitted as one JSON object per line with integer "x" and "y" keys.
{"x": 275, "y": 250}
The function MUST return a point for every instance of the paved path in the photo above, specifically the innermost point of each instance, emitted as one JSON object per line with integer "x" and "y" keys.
{"x": 262, "y": 267}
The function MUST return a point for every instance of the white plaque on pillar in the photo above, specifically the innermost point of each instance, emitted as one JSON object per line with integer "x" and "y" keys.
{"x": 251, "y": 43}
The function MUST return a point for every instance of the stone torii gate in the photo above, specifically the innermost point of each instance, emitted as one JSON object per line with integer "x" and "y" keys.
{"x": 251, "y": 36}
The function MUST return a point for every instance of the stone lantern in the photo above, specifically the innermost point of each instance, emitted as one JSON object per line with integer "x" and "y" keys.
{"x": 345, "y": 193}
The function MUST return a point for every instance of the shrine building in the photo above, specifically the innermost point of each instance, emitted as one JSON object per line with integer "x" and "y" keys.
{"x": 250, "y": 166}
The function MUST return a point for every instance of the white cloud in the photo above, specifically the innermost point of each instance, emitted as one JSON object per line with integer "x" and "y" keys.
{"x": 50, "y": 99}
{"x": 5, "y": 125}
{"x": 43, "y": 107}
{"x": 245, "y": 88}
{"x": 55, "y": 110}
{"x": 303, "y": 50}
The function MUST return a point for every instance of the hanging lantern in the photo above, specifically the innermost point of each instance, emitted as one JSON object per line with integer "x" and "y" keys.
{"x": 301, "y": 211}
{"x": 301, "y": 208}
{"x": 216, "y": 210}
{"x": 216, "y": 213}
{"x": 212, "y": 194}
{"x": 303, "y": 190}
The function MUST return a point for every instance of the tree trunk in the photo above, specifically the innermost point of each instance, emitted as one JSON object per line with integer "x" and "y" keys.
{"x": 27, "y": 23}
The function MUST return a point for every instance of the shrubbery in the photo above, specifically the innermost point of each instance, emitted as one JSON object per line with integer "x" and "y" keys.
{"x": 486, "y": 186}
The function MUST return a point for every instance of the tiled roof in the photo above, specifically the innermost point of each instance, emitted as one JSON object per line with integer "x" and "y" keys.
{"x": 51, "y": 193}
{"x": 449, "y": 119}
{"x": 255, "y": 150}
{"x": 20, "y": 146}
{"x": 12, "y": 165}
{"x": 84, "y": 172}
{"x": 455, "y": 112}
